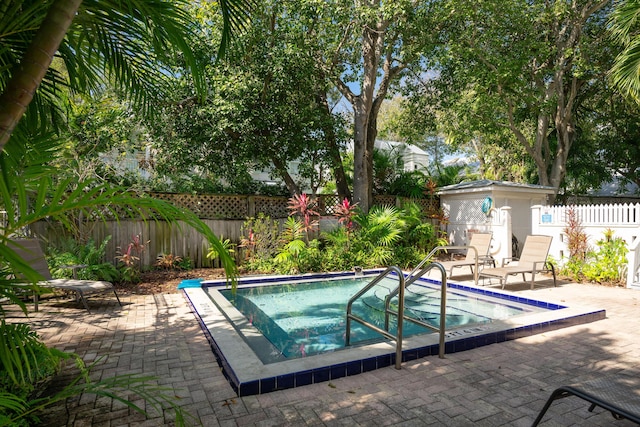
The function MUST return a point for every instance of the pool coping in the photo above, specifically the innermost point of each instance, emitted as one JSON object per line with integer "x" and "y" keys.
{"x": 248, "y": 375}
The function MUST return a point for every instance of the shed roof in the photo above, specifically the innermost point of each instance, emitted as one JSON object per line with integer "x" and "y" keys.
{"x": 490, "y": 185}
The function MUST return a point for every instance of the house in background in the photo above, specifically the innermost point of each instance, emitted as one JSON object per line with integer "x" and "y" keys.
{"x": 130, "y": 162}
{"x": 413, "y": 157}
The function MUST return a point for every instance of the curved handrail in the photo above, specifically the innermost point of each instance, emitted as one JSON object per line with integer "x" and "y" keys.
{"x": 443, "y": 303}
{"x": 398, "y": 336}
{"x": 404, "y": 281}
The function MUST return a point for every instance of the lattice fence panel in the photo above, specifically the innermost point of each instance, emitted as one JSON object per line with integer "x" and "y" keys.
{"x": 210, "y": 206}
{"x": 327, "y": 204}
{"x": 382, "y": 200}
{"x": 275, "y": 207}
{"x": 430, "y": 206}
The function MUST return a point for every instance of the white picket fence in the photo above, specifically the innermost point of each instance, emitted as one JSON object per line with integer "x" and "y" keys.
{"x": 622, "y": 219}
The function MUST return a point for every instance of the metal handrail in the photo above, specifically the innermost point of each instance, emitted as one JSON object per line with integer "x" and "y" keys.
{"x": 403, "y": 282}
{"x": 412, "y": 277}
{"x": 398, "y": 336}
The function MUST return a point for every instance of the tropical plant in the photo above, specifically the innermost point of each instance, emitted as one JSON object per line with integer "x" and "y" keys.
{"x": 379, "y": 230}
{"x": 168, "y": 262}
{"x": 123, "y": 43}
{"x": 345, "y": 212}
{"x": 303, "y": 205}
{"x": 343, "y": 250}
{"x": 608, "y": 263}
{"x": 289, "y": 254}
{"x": 418, "y": 232}
{"x": 20, "y": 377}
{"x": 624, "y": 27}
{"x": 131, "y": 259}
{"x": 213, "y": 253}
{"x": 15, "y": 411}
{"x": 261, "y": 242}
{"x": 120, "y": 42}
{"x": 576, "y": 237}
{"x": 31, "y": 192}
{"x": 383, "y": 225}
{"x": 85, "y": 262}
{"x": 129, "y": 263}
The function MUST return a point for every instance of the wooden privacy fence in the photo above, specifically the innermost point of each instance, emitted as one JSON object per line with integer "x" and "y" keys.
{"x": 225, "y": 215}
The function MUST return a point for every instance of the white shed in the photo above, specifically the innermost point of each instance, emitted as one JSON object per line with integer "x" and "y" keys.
{"x": 470, "y": 206}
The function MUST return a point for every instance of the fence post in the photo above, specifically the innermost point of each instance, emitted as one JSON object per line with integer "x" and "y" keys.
{"x": 536, "y": 212}
{"x": 251, "y": 206}
{"x": 501, "y": 229}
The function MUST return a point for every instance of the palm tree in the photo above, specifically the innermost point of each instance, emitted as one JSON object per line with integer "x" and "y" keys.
{"x": 625, "y": 23}
{"x": 99, "y": 42}
{"x": 125, "y": 43}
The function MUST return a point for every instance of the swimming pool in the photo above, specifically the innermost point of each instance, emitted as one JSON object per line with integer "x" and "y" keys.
{"x": 302, "y": 322}
{"x": 308, "y": 318}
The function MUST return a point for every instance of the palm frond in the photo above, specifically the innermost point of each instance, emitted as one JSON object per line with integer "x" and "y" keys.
{"x": 235, "y": 18}
{"x": 624, "y": 26}
{"x": 131, "y": 45}
{"x": 625, "y": 73}
{"x": 17, "y": 357}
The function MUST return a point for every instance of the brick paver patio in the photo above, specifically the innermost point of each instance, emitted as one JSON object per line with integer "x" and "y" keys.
{"x": 500, "y": 384}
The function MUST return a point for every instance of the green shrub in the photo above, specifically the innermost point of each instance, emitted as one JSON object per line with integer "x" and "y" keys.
{"x": 384, "y": 236}
{"x": 89, "y": 255}
{"x": 23, "y": 377}
{"x": 608, "y": 263}
{"x": 260, "y": 243}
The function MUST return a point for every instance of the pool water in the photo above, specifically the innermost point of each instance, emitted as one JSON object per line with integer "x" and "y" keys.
{"x": 254, "y": 365}
{"x": 308, "y": 318}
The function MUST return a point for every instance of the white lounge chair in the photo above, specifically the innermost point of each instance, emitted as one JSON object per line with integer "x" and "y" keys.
{"x": 482, "y": 243}
{"x": 30, "y": 251}
{"x": 533, "y": 260}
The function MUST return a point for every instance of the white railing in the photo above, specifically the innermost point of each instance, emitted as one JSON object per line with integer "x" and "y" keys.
{"x": 624, "y": 215}
{"x": 622, "y": 219}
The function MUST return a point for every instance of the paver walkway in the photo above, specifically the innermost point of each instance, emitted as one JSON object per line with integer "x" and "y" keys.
{"x": 500, "y": 384}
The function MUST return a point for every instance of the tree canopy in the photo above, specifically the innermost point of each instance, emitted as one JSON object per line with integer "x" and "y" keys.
{"x": 518, "y": 66}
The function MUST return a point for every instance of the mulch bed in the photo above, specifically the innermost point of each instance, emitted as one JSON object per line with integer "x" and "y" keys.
{"x": 166, "y": 281}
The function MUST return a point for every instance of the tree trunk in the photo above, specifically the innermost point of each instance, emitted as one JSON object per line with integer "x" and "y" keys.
{"x": 342, "y": 187}
{"x": 28, "y": 74}
{"x": 361, "y": 173}
{"x": 284, "y": 174}
{"x": 362, "y": 151}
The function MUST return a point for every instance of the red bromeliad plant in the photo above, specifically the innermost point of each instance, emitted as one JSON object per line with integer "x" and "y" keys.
{"x": 577, "y": 241}
{"x": 249, "y": 243}
{"x": 303, "y": 205}
{"x": 345, "y": 212}
{"x": 131, "y": 258}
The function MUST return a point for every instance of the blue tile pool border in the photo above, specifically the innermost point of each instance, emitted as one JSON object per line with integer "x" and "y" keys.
{"x": 343, "y": 369}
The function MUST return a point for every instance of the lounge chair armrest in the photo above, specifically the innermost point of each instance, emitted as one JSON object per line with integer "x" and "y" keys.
{"x": 537, "y": 263}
